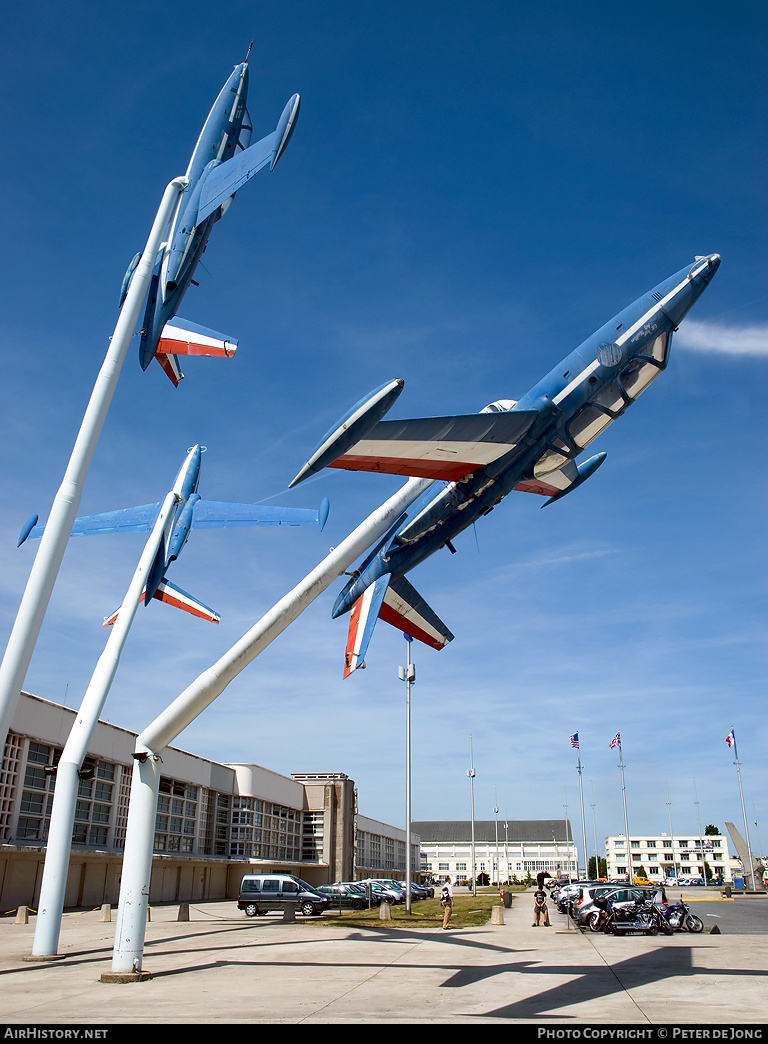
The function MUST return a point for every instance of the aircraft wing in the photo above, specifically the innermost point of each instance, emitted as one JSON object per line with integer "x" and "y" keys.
{"x": 223, "y": 181}
{"x": 444, "y": 448}
{"x": 208, "y": 514}
{"x": 216, "y": 514}
{"x": 126, "y": 520}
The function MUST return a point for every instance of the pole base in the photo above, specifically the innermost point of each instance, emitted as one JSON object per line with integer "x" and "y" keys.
{"x": 141, "y": 976}
{"x": 48, "y": 957}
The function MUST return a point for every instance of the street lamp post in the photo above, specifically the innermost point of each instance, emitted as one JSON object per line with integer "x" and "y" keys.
{"x": 496, "y": 815}
{"x": 471, "y": 774}
{"x": 408, "y": 675}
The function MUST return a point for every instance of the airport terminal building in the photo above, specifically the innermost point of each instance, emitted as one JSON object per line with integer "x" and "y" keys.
{"x": 214, "y": 821}
{"x": 510, "y": 848}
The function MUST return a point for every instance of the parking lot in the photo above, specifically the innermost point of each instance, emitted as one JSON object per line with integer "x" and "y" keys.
{"x": 222, "y": 967}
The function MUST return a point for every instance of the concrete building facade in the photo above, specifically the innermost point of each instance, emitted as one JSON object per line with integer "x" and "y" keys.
{"x": 214, "y": 821}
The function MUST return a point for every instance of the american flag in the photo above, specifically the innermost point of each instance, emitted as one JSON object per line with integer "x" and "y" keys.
{"x": 616, "y": 741}
{"x": 575, "y": 740}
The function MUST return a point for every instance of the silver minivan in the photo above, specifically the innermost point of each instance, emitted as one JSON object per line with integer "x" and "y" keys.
{"x": 260, "y": 893}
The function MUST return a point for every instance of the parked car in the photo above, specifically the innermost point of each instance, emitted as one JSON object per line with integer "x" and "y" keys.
{"x": 260, "y": 893}
{"x": 395, "y": 893}
{"x": 417, "y": 891}
{"x": 351, "y": 895}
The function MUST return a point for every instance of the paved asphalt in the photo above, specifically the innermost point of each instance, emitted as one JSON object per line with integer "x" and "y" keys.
{"x": 221, "y": 967}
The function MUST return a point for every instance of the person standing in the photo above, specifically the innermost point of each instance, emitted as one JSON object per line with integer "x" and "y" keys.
{"x": 540, "y": 908}
{"x": 446, "y": 901}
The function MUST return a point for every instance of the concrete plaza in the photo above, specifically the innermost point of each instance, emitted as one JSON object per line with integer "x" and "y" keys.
{"x": 220, "y": 967}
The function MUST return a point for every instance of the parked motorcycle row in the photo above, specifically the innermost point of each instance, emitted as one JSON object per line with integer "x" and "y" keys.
{"x": 624, "y": 910}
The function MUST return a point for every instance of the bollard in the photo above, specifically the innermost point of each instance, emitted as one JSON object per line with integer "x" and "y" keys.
{"x": 106, "y": 912}
{"x": 183, "y": 912}
{"x": 289, "y": 913}
{"x": 22, "y": 915}
{"x": 149, "y": 914}
{"x": 497, "y": 915}
{"x": 385, "y": 914}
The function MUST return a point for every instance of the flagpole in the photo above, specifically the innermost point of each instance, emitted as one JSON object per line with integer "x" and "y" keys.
{"x": 672, "y": 835}
{"x": 594, "y": 832}
{"x": 575, "y": 743}
{"x": 624, "y": 799}
{"x": 583, "y": 824}
{"x": 737, "y": 763}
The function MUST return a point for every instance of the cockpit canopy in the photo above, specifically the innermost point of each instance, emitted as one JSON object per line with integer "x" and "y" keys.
{"x": 500, "y": 406}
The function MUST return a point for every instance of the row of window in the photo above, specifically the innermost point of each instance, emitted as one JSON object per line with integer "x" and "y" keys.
{"x": 697, "y": 846}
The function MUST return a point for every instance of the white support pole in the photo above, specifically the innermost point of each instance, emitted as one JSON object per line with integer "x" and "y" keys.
{"x": 54, "y": 883}
{"x": 134, "y": 886}
{"x": 137, "y": 863}
{"x": 45, "y": 568}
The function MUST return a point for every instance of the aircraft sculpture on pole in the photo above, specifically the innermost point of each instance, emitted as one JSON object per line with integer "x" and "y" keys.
{"x": 476, "y": 460}
{"x": 189, "y": 512}
{"x": 222, "y": 162}
{"x": 168, "y": 524}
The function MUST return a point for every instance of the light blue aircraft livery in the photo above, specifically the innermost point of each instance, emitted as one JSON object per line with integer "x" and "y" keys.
{"x": 222, "y": 162}
{"x": 530, "y": 445}
{"x": 191, "y": 512}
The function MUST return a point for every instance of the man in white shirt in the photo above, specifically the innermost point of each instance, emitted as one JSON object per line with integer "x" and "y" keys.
{"x": 446, "y": 901}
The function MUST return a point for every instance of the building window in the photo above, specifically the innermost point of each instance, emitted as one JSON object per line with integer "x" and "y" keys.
{"x": 176, "y": 817}
{"x": 667, "y": 844}
{"x": 461, "y": 866}
{"x": 442, "y": 867}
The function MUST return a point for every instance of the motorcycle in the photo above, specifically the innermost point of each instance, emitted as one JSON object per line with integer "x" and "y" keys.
{"x": 635, "y": 917}
{"x": 680, "y": 918}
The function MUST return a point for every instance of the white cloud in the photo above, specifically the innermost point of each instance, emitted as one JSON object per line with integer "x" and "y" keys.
{"x": 701, "y": 336}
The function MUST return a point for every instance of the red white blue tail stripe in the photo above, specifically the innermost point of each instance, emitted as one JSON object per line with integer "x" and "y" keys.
{"x": 397, "y": 603}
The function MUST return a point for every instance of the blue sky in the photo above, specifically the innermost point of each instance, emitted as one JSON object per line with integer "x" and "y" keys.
{"x": 470, "y": 192}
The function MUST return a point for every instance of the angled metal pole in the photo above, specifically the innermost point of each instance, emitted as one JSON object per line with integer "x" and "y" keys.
{"x": 128, "y": 949}
{"x": 53, "y": 543}
{"x": 58, "y": 849}
{"x": 630, "y": 875}
{"x": 737, "y": 763}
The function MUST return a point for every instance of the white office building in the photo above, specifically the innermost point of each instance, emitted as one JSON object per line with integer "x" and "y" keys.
{"x": 681, "y": 856}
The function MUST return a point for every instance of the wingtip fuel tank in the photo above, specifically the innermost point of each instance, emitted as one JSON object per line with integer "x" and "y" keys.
{"x": 285, "y": 127}
{"x": 353, "y": 426}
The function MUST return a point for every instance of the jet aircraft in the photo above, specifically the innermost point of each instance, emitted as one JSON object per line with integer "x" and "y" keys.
{"x": 222, "y": 162}
{"x": 191, "y": 513}
{"x": 530, "y": 445}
